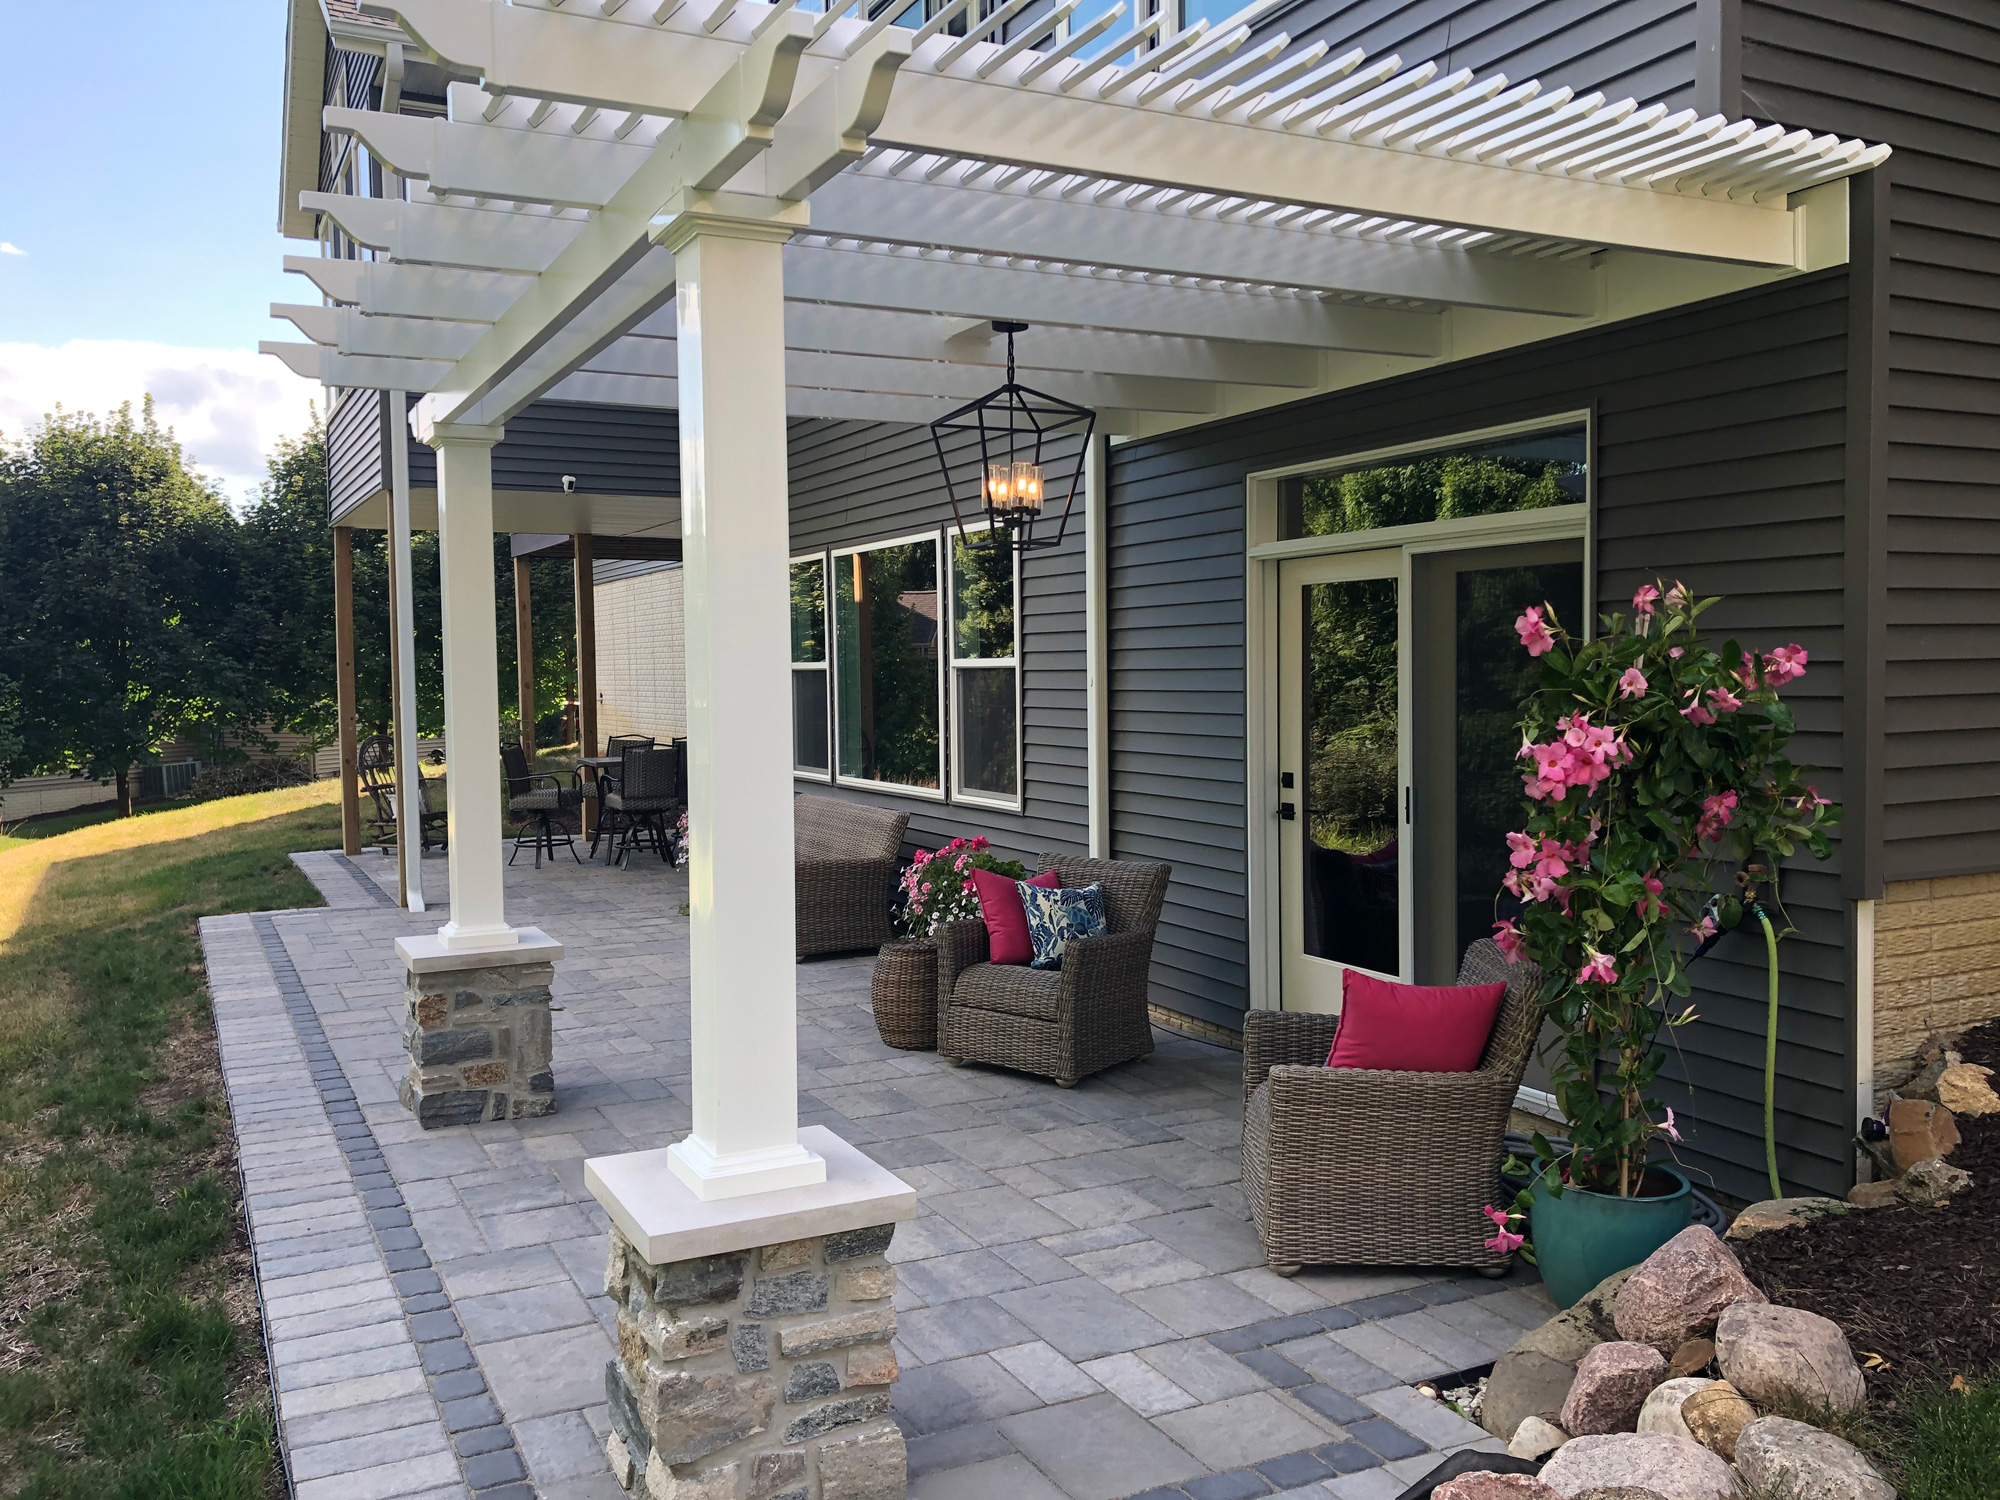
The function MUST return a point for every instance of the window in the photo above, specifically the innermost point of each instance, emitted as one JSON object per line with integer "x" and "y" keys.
{"x": 809, "y": 700}
{"x": 985, "y": 675}
{"x": 888, "y": 674}
{"x": 1523, "y": 471}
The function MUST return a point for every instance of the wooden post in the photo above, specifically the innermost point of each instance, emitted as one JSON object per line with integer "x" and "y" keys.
{"x": 396, "y": 732}
{"x": 343, "y": 687}
{"x": 524, "y": 657}
{"x": 584, "y": 571}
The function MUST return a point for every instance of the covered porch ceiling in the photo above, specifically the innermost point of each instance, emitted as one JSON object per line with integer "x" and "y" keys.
{"x": 1195, "y": 230}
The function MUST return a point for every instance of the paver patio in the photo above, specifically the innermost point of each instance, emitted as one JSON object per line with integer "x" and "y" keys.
{"x": 1084, "y": 1310}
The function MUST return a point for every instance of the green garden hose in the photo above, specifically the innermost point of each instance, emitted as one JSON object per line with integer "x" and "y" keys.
{"x": 1771, "y": 1057}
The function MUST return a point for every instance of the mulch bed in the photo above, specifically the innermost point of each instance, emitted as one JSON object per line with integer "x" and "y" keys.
{"x": 1920, "y": 1287}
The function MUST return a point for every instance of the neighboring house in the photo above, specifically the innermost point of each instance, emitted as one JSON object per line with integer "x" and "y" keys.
{"x": 1822, "y": 448}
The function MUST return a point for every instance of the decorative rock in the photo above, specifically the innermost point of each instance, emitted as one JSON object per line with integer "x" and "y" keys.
{"x": 1715, "y": 1415}
{"x": 1967, "y": 1089}
{"x": 622, "y": 1468}
{"x": 837, "y": 1333}
{"x": 691, "y": 1415}
{"x": 785, "y": 1257}
{"x": 1781, "y": 1213}
{"x": 1691, "y": 1358}
{"x": 872, "y": 1364}
{"x": 1772, "y": 1354}
{"x": 749, "y": 1347}
{"x": 1925, "y": 1084}
{"x": 868, "y": 1466}
{"x": 1536, "y": 1437}
{"x": 852, "y": 1244}
{"x": 689, "y": 1283}
{"x": 1534, "y": 1377}
{"x": 1673, "y": 1467}
{"x": 1680, "y": 1289}
{"x": 1487, "y": 1485}
{"x": 824, "y": 1419}
{"x": 866, "y": 1284}
{"x": 1662, "y": 1411}
{"x": 1622, "y": 1492}
{"x": 810, "y": 1381}
{"x": 1919, "y": 1129}
{"x": 1931, "y": 1182}
{"x": 794, "y": 1292}
{"x": 1780, "y": 1456}
{"x": 1872, "y": 1194}
{"x": 1612, "y": 1383}
{"x": 671, "y": 1339}
{"x": 776, "y": 1471}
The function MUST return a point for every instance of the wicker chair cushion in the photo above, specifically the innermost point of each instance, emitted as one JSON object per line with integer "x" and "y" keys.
{"x": 549, "y": 800}
{"x": 1059, "y": 916}
{"x": 1011, "y": 989}
{"x": 1413, "y": 1028}
{"x": 619, "y": 802}
{"x": 1007, "y": 937}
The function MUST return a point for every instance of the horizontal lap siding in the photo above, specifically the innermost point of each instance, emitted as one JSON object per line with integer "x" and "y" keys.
{"x": 1926, "y": 79}
{"x": 355, "y": 456}
{"x": 1641, "y": 48}
{"x": 1720, "y": 443}
{"x": 858, "y": 482}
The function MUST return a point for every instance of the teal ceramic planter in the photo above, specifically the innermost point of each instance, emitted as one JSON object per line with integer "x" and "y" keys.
{"x": 1582, "y": 1237}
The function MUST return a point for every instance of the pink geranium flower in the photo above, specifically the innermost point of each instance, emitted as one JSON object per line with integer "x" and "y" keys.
{"x": 1632, "y": 683}
{"x": 1598, "y": 968}
{"x": 1534, "y": 631}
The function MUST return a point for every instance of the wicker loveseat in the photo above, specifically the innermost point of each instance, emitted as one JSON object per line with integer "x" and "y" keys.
{"x": 1061, "y": 1023}
{"x": 846, "y": 858}
{"x": 1355, "y": 1167}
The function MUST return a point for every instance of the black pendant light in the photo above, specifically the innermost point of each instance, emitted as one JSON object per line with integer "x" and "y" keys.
{"x": 1024, "y": 470}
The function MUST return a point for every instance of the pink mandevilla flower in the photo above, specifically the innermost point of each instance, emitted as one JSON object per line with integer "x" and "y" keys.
{"x": 1522, "y": 850}
{"x": 1534, "y": 631}
{"x": 1784, "y": 664}
{"x": 1632, "y": 683}
{"x": 1678, "y": 596}
{"x": 1668, "y": 1129}
{"x": 1508, "y": 939}
{"x": 1644, "y": 600}
{"x": 1716, "y": 814}
{"x": 1651, "y": 904}
{"x": 1693, "y": 712}
{"x": 1724, "y": 701}
{"x": 1598, "y": 968}
{"x": 1704, "y": 929}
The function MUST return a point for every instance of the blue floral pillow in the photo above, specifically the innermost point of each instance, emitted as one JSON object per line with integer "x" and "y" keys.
{"x": 1056, "y": 916}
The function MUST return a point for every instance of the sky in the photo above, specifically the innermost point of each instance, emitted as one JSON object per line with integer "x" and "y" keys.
{"x": 139, "y": 250}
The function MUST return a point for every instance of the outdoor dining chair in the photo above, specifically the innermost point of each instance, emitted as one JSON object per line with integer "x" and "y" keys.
{"x": 538, "y": 798}
{"x": 640, "y": 800}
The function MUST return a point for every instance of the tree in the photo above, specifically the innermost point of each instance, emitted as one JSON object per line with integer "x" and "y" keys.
{"x": 117, "y": 580}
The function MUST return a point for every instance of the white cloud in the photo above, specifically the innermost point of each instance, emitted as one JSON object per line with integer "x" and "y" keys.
{"x": 8, "y": 249}
{"x": 228, "y": 407}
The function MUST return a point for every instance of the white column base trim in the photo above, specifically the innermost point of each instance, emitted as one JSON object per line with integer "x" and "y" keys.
{"x": 711, "y": 1177}
{"x": 666, "y": 1221}
{"x": 456, "y": 937}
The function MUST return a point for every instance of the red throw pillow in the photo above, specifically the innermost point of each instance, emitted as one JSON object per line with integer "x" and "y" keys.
{"x": 1006, "y": 921}
{"x": 1413, "y": 1028}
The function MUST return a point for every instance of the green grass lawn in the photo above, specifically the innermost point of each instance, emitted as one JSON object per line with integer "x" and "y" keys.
{"x": 131, "y": 1357}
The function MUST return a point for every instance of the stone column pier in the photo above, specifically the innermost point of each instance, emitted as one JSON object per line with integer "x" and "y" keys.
{"x": 478, "y": 1031}
{"x": 753, "y": 1332}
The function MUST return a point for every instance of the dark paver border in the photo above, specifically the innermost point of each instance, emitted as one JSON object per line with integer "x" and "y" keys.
{"x": 483, "y": 1443}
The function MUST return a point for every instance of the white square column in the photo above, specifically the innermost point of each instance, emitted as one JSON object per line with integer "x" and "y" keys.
{"x": 735, "y": 548}
{"x": 471, "y": 685}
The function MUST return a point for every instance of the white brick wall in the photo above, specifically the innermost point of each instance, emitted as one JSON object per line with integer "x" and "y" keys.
{"x": 641, "y": 659}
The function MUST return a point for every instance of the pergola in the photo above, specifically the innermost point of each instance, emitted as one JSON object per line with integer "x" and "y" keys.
{"x": 744, "y": 211}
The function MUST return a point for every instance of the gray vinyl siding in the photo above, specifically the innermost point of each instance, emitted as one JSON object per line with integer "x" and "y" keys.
{"x": 1644, "y": 49}
{"x": 1719, "y": 460}
{"x": 858, "y": 482}
{"x": 612, "y": 450}
{"x": 1926, "y": 79}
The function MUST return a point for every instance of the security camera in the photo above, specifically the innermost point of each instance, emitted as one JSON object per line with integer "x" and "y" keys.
{"x": 569, "y": 484}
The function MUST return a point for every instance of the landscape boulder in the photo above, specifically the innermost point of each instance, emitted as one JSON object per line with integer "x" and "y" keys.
{"x": 1536, "y": 1437}
{"x": 1874, "y": 1194}
{"x": 1782, "y": 1457}
{"x": 1967, "y": 1089}
{"x": 1534, "y": 1377}
{"x": 1487, "y": 1485}
{"x": 1919, "y": 1129}
{"x": 1780, "y": 1213}
{"x": 1773, "y": 1354}
{"x": 1621, "y": 1492}
{"x": 1662, "y": 1411}
{"x": 1931, "y": 1182}
{"x": 1715, "y": 1415}
{"x": 1612, "y": 1383}
{"x": 1674, "y": 1468}
{"x": 1680, "y": 1289}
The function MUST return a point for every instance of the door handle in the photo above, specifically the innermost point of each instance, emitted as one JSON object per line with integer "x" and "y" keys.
{"x": 1409, "y": 803}
{"x": 1287, "y": 812}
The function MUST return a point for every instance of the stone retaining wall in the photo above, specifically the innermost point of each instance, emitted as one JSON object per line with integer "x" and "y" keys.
{"x": 1937, "y": 965}
{"x": 762, "y": 1375}
{"x": 480, "y": 1045}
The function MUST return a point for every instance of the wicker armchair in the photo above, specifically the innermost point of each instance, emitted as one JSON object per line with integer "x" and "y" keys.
{"x": 1357, "y": 1167}
{"x": 846, "y": 856}
{"x": 1062, "y": 1023}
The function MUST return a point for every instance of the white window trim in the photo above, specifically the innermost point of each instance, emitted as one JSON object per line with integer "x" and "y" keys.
{"x": 823, "y": 667}
{"x": 1263, "y": 553}
{"x": 892, "y": 788}
{"x": 959, "y": 794}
